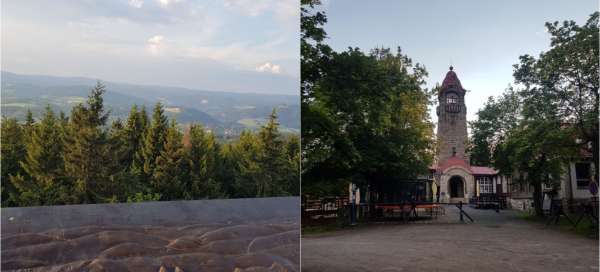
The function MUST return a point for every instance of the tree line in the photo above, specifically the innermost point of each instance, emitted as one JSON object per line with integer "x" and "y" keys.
{"x": 84, "y": 159}
{"x": 364, "y": 115}
{"x": 550, "y": 116}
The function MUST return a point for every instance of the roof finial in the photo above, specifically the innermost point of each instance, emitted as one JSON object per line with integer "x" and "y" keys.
{"x": 451, "y": 68}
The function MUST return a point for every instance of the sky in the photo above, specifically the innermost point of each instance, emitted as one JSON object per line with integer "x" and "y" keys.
{"x": 481, "y": 39}
{"x": 219, "y": 45}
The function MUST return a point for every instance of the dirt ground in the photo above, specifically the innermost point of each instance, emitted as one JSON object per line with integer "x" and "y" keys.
{"x": 494, "y": 242}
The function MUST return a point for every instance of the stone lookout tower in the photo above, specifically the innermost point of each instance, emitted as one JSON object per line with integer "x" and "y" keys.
{"x": 454, "y": 174}
{"x": 457, "y": 179}
{"x": 452, "y": 119}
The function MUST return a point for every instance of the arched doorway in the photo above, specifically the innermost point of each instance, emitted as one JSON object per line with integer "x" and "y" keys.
{"x": 457, "y": 187}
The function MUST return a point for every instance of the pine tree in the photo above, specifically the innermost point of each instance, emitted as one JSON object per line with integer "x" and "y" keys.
{"x": 133, "y": 135}
{"x": 202, "y": 154}
{"x": 29, "y": 124}
{"x": 42, "y": 165}
{"x": 243, "y": 157}
{"x": 88, "y": 158}
{"x": 292, "y": 152}
{"x": 120, "y": 146}
{"x": 169, "y": 174}
{"x": 154, "y": 141}
{"x": 226, "y": 169}
{"x": 13, "y": 152}
{"x": 272, "y": 160}
{"x": 143, "y": 117}
{"x": 138, "y": 124}
{"x": 125, "y": 183}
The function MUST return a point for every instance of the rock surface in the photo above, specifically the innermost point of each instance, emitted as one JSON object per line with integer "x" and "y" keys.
{"x": 245, "y": 244}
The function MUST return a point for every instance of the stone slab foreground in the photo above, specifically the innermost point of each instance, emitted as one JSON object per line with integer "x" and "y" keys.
{"x": 259, "y": 234}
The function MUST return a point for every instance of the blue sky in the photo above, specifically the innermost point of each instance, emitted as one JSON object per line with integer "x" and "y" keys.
{"x": 481, "y": 39}
{"x": 221, "y": 45}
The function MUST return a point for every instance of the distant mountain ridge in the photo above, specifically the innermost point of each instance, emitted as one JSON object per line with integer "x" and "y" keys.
{"x": 224, "y": 111}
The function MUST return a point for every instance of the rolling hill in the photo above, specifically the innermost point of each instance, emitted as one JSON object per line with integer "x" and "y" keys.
{"x": 221, "y": 111}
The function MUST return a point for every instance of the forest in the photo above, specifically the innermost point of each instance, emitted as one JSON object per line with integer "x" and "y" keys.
{"x": 81, "y": 158}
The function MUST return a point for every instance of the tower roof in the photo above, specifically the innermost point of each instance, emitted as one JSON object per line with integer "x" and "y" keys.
{"x": 451, "y": 79}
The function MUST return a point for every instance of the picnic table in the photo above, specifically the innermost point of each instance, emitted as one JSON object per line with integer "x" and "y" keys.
{"x": 408, "y": 210}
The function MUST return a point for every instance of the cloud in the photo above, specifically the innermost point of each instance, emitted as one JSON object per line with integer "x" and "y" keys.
{"x": 165, "y": 3}
{"x": 136, "y": 3}
{"x": 269, "y": 68}
{"x": 284, "y": 10}
{"x": 155, "y": 44}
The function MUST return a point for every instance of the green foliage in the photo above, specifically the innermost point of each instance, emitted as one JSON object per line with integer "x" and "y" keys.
{"x": 154, "y": 141}
{"x": 203, "y": 159}
{"x": 534, "y": 131}
{"x": 244, "y": 157}
{"x": 80, "y": 159}
{"x": 13, "y": 151}
{"x": 292, "y": 157}
{"x": 88, "y": 156}
{"x": 272, "y": 161}
{"x": 133, "y": 133}
{"x": 364, "y": 116}
{"x": 169, "y": 174}
{"x": 41, "y": 182}
{"x": 494, "y": 121}
{"x": 563, "y": 83}
{"x": 141, "y": 197}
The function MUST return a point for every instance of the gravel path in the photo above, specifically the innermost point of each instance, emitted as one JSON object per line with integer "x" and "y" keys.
{"x": 495, "y": 242}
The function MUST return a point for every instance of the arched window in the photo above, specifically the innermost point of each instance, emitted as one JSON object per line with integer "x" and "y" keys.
{"x": 451, "y": 99}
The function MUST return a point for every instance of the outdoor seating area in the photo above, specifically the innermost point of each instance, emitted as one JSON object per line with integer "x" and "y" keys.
{"x": 321, "y": 208}
{"x": 489, "y": 202}
{"x": 408, "y": 210}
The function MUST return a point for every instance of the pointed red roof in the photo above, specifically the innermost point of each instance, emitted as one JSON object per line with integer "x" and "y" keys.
{"x": 451, "y": 79}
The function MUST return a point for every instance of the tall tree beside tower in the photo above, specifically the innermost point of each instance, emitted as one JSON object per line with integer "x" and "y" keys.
{"x": 566, "y": 78}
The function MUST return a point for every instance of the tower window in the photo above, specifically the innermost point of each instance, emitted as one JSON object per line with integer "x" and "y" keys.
{"x": 451, "y": 100}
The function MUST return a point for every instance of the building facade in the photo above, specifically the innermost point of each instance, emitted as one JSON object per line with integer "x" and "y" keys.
{"x": 456, "y": 179}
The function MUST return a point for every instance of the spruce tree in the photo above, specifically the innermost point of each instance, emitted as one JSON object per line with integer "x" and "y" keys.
{"x": 292, "y": 169}
{"x": 154, "y": 141}
{"x": 272, "y": 159}
{"x": 29, "y": 124}
{"x": 202, "y": 159}
{"x": 13, "y": 152}
{"x": 244, "y": 156}
{"x": 169, "y": 174}
{"x": 133, "y": 134}
{"x": 42, "y": 165}
{"x": 88, "y": 158}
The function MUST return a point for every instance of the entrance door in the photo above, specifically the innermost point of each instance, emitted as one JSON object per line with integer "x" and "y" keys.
{"x": 456, "y": 187}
